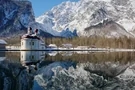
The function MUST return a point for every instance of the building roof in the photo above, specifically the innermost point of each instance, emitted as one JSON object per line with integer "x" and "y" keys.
{"x": 30, "y": 36}
{"x": 52, "y": 45}
{"x": 3, "y": 41}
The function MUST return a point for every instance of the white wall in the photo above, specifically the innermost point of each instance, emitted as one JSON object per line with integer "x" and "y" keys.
{"x": 31, "y": 44}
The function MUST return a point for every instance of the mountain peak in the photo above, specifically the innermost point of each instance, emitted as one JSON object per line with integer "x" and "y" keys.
{"x": 96, "y": 0}
{"x": 87, "y": 13}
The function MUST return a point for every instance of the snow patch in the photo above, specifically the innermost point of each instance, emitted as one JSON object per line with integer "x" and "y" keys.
{"x": 3, "y": 41}
{"x": 127, "y": 24}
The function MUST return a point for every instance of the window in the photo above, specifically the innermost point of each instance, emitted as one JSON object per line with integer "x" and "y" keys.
{"x": 33, "y": 43}
{"x": 32, "y": 57}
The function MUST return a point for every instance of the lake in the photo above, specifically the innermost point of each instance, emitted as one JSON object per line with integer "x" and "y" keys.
{"x": 57, "y": 70}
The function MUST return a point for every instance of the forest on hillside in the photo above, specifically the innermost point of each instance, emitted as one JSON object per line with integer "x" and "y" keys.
{"x": 99, "y": 42}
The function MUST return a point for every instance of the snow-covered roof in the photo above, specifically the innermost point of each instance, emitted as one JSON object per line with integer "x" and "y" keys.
{"x": 30, "y": 36}
{"x": 3, "y": 41}
{"x": 52, "y": 45}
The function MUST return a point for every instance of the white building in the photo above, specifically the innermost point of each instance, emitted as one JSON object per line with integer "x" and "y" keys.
{"x": 31, "y": 41}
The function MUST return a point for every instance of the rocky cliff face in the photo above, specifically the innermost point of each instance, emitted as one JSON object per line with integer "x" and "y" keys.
{"x": 15, "y": 16}
{"x": 88, "y": 14}
{"x": 107, "y": 29}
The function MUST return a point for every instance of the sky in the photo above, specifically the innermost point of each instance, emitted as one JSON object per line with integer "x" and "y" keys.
{"x": 41, "y": 6}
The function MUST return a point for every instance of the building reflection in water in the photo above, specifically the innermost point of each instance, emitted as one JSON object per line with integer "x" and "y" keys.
{"x": 31, "y": 59}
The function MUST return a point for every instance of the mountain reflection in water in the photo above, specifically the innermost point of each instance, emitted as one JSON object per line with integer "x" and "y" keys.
{"x": 33, "y": 70}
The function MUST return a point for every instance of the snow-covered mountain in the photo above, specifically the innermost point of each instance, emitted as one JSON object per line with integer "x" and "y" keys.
{"x": 110, "y": 18}
{"x": 106, "y": 17}
{"x": 46, "y": 23}
{"x": 15, "y": 16}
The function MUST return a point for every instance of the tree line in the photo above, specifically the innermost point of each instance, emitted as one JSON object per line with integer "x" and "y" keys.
{"x": 99, "y": 42}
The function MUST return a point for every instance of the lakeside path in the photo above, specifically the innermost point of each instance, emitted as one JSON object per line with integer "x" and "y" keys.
{"x": 76, "y": 49}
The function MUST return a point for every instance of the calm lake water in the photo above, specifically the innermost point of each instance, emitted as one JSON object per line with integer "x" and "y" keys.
{"x": 33, "y": 70}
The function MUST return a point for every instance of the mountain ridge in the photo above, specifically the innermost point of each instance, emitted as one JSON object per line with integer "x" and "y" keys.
{"x": 87, "y": 13}
{"x": 70, "y": 19}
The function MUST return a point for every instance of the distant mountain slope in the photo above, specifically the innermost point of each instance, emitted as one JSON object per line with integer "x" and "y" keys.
{"x": 88, "y": 13}
{"x": 46, "y": 23}
{"x": 107, "y": 29}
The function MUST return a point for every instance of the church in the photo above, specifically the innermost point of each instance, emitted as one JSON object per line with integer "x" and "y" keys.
{"x": 31, "y": 41}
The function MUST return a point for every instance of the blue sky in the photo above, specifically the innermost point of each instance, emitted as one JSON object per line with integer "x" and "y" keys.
{"x": 41, "y": 6}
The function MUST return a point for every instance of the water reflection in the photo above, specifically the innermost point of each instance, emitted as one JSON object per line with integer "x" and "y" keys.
{"x": 13, "y": 76}
{"x": 2, "y": 56}
{"x": 94, "y": 71}
{"x": 32, "y": 70}
{"x": 31, "y": 59}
